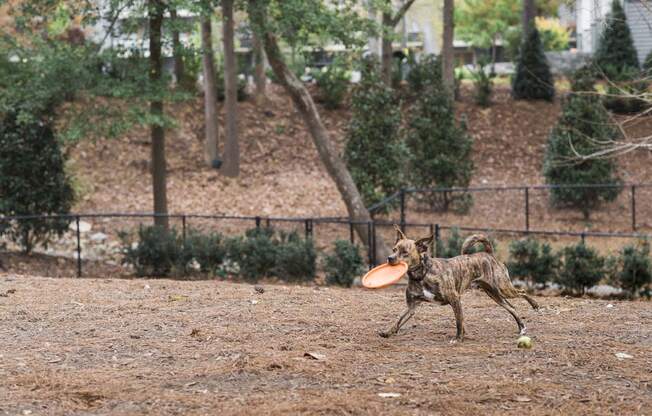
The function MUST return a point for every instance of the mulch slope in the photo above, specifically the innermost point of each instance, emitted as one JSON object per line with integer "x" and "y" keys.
{"x": 100, "y": 346}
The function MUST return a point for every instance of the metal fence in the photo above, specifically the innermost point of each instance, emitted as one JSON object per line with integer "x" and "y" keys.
{"x": 400, "y": 199}
{"x": 327, "y": 230}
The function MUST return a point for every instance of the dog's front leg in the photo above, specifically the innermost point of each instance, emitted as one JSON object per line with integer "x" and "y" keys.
{"x": 456, "y": 304}
{"x": 409, "y": 313}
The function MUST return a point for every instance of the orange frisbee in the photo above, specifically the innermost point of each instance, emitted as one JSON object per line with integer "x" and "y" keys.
{"x": 384, "y": 275}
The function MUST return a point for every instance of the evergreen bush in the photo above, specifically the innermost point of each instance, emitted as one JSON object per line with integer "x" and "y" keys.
{"x": 439, "y": 147}
{"x": 533, "y": 261}
{"x": 632, "y": 269}
{"x": 344, "y": 264}
{"x": 532, "y": 79}
{"x": 375, "y": 154}
{"x": 616, "y": 55}
{"x": 483, "y": 83}
{"x": 583, "y": 125}
{"x": 33, "y": 180}
{"x": 296, "y": 259}
{"x": 333, "y": 83}
{"x": 158, "y": 251}
{"x": 581, "y": 268}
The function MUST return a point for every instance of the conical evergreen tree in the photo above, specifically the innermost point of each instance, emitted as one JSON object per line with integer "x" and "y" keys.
{"x": 616, "y": 55}
{"x": 375, "y": 154}
{"x": 532, "y": 79}
{"x": 440, "y": 148}
{"x": 584, "y": 123}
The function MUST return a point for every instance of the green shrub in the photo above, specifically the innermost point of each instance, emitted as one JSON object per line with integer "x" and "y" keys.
{"x": 33, "y": 181}
{"x": 425, "y": 73}
{"x": 296, "y": 259}
{"x": 532, "y": 261}
{"x": 624, "y": 91}
{"x": 581, "y": 268}
{"x": 616, "y": 55}
{"x": 554, "y": 35}
{"x": 483, "y": 83}
{"x": 632, "y": 269}
{"x": 255, "y": 253}
{"x": 532, "y": 79}
{"x": 207, "y": 250}
{"x": 375, "y": 154}
{"x": 583, "y": 125}
{"x": 647, "y": 65}
{"x": 344, "y": 264}
{"x": 440, "y": 148}
{"x": 219, "y": 86}
{"x": 333, "y": 83}
{"x": 158, "y": 251}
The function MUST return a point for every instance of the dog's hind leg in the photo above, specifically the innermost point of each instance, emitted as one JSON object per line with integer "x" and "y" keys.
{"x": 498, "y": 297}
{"x": 456, "y": 304}
{"x": 529, "y": 299}
{"x": 409, "y": 313}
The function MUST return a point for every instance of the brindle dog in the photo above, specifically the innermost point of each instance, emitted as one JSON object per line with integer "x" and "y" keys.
{"x": 445, "y": 280}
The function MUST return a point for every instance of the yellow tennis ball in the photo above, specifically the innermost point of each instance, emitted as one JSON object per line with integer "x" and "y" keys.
{"x": 524, "y": 342}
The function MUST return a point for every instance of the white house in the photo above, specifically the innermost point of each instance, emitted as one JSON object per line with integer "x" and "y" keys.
{"x": 590, "y": 19}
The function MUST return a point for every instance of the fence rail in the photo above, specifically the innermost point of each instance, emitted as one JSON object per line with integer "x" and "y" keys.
{"x": 525, "y": 189}
{"x": 309, "y": 224}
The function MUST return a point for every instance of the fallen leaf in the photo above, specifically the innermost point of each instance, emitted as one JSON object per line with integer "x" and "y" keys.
{"x": 389, "y": 395}
{"x": 315, "y": 356}
{"x": 175, "y": 298}
{"x": 522, "y": 399}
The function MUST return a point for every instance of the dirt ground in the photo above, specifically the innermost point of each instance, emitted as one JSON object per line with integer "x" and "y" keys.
{"x": 117, "y": 346}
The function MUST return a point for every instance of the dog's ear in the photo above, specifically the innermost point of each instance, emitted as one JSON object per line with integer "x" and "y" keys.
{"x": 423, "y": 244}
{"x": 399, "y": 234}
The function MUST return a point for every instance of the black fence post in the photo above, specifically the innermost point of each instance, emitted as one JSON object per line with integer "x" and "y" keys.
{"x": 308, "y": 227}
{"x": 437, "y": 240}
{"x": 183, "y": 229}
{"x": 268, "y": 223}
{"x": 432, "y": 242}
{"x": 633, "y": 207}
{"x": 373, "y": 239}
{"x": 527, "y": 208}
{"x": 583, "y": 237}
{"x": 369, "y": 248}
{"x": 402, "y": 209}
{"x": 351, "y": 232}
{"x": 258, "y": 222}
{"x": 79, "y": 260}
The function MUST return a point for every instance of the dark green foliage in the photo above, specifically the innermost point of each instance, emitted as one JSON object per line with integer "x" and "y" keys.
{"x": 440, "y": 148}
{"x": 583, "y": 123}
{"x": 483, "y": 83}
{"x": 647, "y": 65}
{"x": 375, "y": 154}
{"x": 616, "y": 55}
{"x": 207, "y": 250}
{"x": 296, "y": 259}
{"x": 256, "y": 253}
{"x": 452, "y": 246}
{"x": 632, "y": 269}
{"x": 158, "y": 251}
{"x": 424, "y": 74}
{"x": 333, "y": 83}
{"x": 344, "y": 264}
{"x": 624, "y": 91}
{"x": 532, "y": 79}
{"x": 533, "y": 261}
{"x": 582, "y": 267}
{"x": 33, "y": 180}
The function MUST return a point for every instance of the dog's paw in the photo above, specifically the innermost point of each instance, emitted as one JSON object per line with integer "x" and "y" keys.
{"x": 384, "y": 334}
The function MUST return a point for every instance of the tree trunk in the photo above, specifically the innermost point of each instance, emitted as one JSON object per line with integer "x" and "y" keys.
{"x": 156, "y": 109}
{"x": 448, "y": 55}
{"x": 529, "y": 12}
{"x": 176, "y": 47}
{"x": 387, "y": 49}
{"x": 325, "y": 147}
{"x": 231, "y": 149}
{"x": 260, "y": 78}
{"x": 212, "y": 130}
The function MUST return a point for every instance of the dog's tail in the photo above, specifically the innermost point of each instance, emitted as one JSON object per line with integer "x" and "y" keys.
{"x": 475, "y": 239}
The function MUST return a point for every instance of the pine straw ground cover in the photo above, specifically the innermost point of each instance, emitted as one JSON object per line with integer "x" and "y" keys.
{"x": 104, "y": 346}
